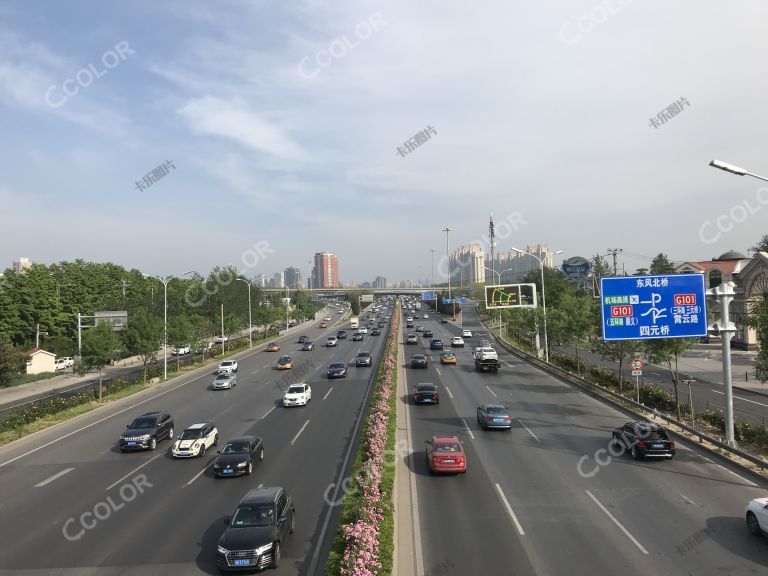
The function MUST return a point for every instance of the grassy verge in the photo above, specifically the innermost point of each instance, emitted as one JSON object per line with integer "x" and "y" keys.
{"x": 27, "y": 378}
{"x": 364, "y": 543}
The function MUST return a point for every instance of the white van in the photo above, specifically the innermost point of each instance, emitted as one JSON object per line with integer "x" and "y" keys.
{"x": 354, "y": 323}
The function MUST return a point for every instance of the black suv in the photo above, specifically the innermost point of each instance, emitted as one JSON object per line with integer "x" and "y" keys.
{"x": 644, "y": 439}
{"x": 256, "y": 532}
{"x": 144, "y": 432}
{"x": 341, "y": 335}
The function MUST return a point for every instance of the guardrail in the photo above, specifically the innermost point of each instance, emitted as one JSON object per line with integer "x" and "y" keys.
{"x": 624, "y": 403}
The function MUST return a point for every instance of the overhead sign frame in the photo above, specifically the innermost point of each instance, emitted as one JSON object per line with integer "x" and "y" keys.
{"x": 499, "y": 296}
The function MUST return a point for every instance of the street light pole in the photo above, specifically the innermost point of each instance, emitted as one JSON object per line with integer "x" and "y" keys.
{"x": 735, "y": 169}
{"x": 432, "y": 250}
{"x": 250, "y": 321}
{"x": 164, "y": 282}
{"x": 543, "y": 298}
{"x": 448, "y": 257}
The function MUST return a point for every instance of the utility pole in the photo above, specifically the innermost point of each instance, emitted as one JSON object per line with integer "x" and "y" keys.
{"x": 123, "y": 284}
{"x": 613, "y": 252}
{"x": 222, "y": 328}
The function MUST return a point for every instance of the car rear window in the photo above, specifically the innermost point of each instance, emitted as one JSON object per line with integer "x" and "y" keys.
{"x": 426, "y": 388}
{"x": 447, "y": 448}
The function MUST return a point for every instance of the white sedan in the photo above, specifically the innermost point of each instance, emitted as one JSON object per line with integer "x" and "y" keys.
{"x": 457, "y": 341}
{"x": 466, "y": 333}
{"x": 297, "y": 395}
{"x": 363, "y": 330}
{"x": 757, "y": 516}
{"x": 195, "y": 440}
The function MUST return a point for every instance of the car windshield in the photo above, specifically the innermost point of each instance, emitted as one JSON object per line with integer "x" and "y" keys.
{"x": 285, "y": 360}
{"x": 363, "y": 355}
{"x": 295, "y": 390}
{"x": 236, "y": 448}
{"x": 336, "y": 366}
{"x": 254, "y": 515}
{"x": 447, "y": 448}
{"x": 226, "y": 363}
{"x": 494, "y": 410}
{"x": 143, "y": 423}
{"x": 192, "y": 434}
{"x": 223, "y": 377}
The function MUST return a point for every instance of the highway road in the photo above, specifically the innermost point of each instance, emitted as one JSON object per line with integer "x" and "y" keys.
{"x": 149, "y": 514}
{"x": 546, "y": 498}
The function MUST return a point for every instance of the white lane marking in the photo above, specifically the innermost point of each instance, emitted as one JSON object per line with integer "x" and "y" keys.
{"x": 268, "y": 412}
{"x": 510, "y": 365}
{"x": 468, "y": 429}
{"x": 529, "y": 430}
{"x": 260, "y": 486}
{"x": 92, "y": 424}
{"x": 132, "y": 472}
{"x": 266, "y": 365}
{"x": 449, "y": 392}
{"x": 687, "y": 499}
{"x": 299, "y": 432}
{"x": 54, "y": 477}
{"x": 254, "y": 372}
{"x": 613, "y": 519}
{"x": 740, "y": 398}
{"x": 327, "y": 393}
{"x": 491, "y": 391}
{"x": 738, "y": 476}
{"x": 510, "y": 511}
{"x": 438, "y": 371}
{"x": 196, "y": 476}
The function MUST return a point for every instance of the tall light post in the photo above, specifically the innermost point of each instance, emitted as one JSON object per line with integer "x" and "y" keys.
{"x": 432, "y": 250}
{"x": 543, "y": 297}
{"x": 448, "y": 257}
{"x": 250, "y": 321}
{"x": 735, "y": 169}
{"x": 164, "y": 282}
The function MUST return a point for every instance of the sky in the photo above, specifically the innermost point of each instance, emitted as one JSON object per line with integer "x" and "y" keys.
{"x": 181, "y": 135}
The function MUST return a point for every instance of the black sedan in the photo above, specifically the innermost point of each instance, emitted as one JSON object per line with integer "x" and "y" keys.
{"x": 427, "y": 334}
{"x": 341, "y": 335}
{"x": 307, "y": 346}
{"x": 426, "y": 393}
{"x": 357, "y": 337}
{"x": 337, "y": 370}
{"x": 238, "y": 456}
{"x": 375, "y": 332}
{"x": 494, "y": 416}
{"x": 303, "y": 338}
{"x": 644, "y": 440}
{"x": 419, "y": 361}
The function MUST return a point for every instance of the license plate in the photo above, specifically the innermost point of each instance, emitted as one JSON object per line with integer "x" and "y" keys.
{"x": 498, "y": 419}
{"x": 184, "y": 453}
{"x": 448, "y": 461}
{"x": 242, "y": 562}
{"x": 131, "y": 443}
{"x": 658, "y": 445}
{"x": 428, "y": 400}
{"x": 228, "y": 471}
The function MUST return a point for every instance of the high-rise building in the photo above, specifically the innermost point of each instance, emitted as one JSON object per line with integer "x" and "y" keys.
{"x": 292, "y": 276}
{"x": 325, "y": 273}
{"x": 514, "y": 265}
{"x": 22, "y": 264}
{"x": 380, "y": 282}
{"x": 467, "y": 264}
{"x": 277, "y": 280}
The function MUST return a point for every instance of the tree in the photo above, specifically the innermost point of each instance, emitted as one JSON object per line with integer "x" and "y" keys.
{"x": 576, "y": 316}
{"x": 180, "y": 331}
{"x": 11, "y": 360}
{"x": 641, "y": 272}
{"x": 600, "y": 266}
{"x": 99, "y": 346}
{"x": 142, "y": 336}
{"x": 661, "y": 264}
{"x": 667, "y": 351}
{"x": 761, "y": 245}
{"x": 758, "y": 319}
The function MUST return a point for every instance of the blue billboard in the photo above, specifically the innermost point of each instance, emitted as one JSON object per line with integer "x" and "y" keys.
{"x": 656, "y": 306}
{"x": 428, "y": 296}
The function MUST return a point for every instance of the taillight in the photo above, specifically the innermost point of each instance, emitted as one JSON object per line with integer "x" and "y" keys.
{"x": 671, "y": 443}
{"x": 489, "y": 418}
{"x": 640, "y": 444}
{"x": 507, "y": 419}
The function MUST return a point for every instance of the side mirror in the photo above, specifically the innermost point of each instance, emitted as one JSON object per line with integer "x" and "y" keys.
{"x": 178, "y": 437}
{"x": 227, "y": 520}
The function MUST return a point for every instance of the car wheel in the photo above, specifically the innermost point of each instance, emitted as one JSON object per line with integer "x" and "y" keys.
{"x": 293, "y": 521}
{"x": 634, "y": 453}
{"x": 201, "y": 453}
{"x": 261, "y": 454}
{"x": 753, "y": 524}
{"x": 276, "y": 555}
{"x": 152, "y": 443}
{"x": 250, "y": 468}
{"x": 170, "y": 433}
{"x": 614, "y": 442}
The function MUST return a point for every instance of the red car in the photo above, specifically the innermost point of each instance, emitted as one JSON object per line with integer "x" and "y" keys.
{"x": 446, "y": 454}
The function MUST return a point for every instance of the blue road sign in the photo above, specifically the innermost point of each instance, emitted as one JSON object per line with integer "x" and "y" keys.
{"x": 462, "y": 300}
{"x": 446, "y": 300}
{"x": 428, "y": 296}
{"x": 658, "y": 306}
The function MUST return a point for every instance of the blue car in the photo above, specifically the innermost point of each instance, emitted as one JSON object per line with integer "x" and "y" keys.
{"x": 436, "y": 344}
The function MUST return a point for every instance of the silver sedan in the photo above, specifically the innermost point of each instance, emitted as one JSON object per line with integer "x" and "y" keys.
{"x": 224, "y": 381}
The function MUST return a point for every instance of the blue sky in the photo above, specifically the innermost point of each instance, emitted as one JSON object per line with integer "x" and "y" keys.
{"x": 283, "y": 120}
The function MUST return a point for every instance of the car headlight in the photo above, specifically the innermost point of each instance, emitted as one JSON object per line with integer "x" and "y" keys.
{"x": 216, "y": 466}
{"x": 221, "y": 550}
{"x": 197, "y": 445}
{"x": 242, "y": 464}
{"x": 144, "y": 437}
{"x": 262, "y": 549}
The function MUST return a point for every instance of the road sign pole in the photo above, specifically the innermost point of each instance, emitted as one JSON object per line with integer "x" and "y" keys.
{"x": 725, "y": 293}
{"x": 637, "y": 387}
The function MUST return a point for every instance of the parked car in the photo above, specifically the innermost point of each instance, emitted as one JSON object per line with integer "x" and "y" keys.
{"x": 494, "y": 416}
{"x": 757, "y": 516}
{"x": 195, "y": 440}
{"x": 257, "y": 530}
{"x": 297, "y": 395}
{"x": 419, "y": 361}
{"x": 238, "y": 456}
{"x": 61, "y": 364}
{"x": 224, "y": 381}
{"x": 644, "y": 440}
{"x": 227, "y": 366}
{"x": 337, "y": 370}
{"x": 220, "y": 339}
{"x": 146, "y": 430}
{"x": 446, "y": 454}
{"x": 426, "y": 393}
{"x": 181, "y": 350}
{"x": 363, "y": 358}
